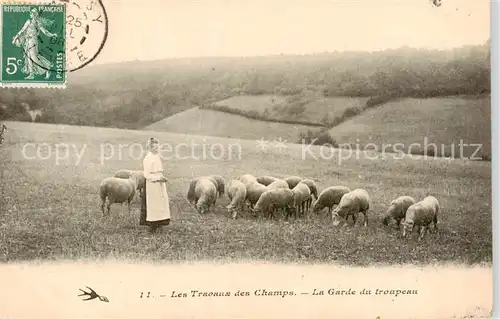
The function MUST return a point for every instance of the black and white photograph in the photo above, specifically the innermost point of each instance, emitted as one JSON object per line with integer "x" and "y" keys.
{"x": 350, "y": 134}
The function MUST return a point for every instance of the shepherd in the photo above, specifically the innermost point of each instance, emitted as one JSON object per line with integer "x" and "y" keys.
{"x": 155, "y": 206}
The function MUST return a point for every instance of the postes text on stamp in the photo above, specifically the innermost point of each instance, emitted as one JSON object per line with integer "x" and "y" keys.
{"x": 33, "y": 45}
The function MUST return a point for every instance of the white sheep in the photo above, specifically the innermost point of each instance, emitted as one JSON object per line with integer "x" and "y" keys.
{"x": 293, "y": 181}
{"x": 279, "y": 183}
{"x": 421, "y": 214}
{"x": 397, "y": 209}
{"x": 314, "y": 192}
{"x": 205, "y": 192}
{"x": 237, "y": 193}
{"x": 116, "y": 190}
{"x": 266, "y": 180}
{"x": 192, "y": 184}
{"x": 352, "y": 203}
{"x": 328, "y": 197}
{"x": 247, "y": 179}
{"x": 219, "y": 183}
{"x": 301, "y": 194}
{"x": 273, "y": 200}
{"x": 254, "y": 191}
{"x": 140, "y": 180}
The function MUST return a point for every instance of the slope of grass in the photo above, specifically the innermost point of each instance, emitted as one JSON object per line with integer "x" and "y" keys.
{"x": 51, "y": 210}
{"x": 312, "y": 108}
{"x": 258, "y": 103}
{"x": 214, "y": 123}
{"x": 442, "y": 121}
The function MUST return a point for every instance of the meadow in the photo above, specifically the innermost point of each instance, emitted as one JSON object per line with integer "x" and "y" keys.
{"x": 214, "y": 123}
{"x": 443, "y": 121}
{"x": 51, "y": 208}
{"x": 309, "y": 107}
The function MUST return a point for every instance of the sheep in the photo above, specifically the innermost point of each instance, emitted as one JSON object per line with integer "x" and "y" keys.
{"x": 301, "y": 194}
{"x": 293, "y": 181}
{"x": 352, "y": 203}
{"x": 116, "y": 190}
{"x": 205, "y": 192}
{"x": 274, "y": 199}
{"x": 266, "y": 180}
{"x": 247, "y": 179}
{"x": 278, "y": 184}
{"x": 397, "y": 209}
{"x": 138, "y": 175}
{"x": 219, "y": 183}
{"x": 421, "y": 214}
{"x": 254, "y": 191}
{"x": 328, "y": 197}
{"x": 191, "y": 197}
{"x": 237, "y": 193}
{"x": 314, "y": 192}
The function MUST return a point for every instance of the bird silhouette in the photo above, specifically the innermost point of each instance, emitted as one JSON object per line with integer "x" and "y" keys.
{"x": 92, "y": 295}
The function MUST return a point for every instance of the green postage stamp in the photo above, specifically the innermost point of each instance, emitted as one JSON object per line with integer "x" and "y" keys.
{"x": 33, "y": 45}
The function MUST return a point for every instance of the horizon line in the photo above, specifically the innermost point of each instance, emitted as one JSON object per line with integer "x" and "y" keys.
{"x": 316, "y": 53}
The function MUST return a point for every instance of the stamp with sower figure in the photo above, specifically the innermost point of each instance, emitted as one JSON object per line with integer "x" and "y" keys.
{"x": 33, "y": 45}
{"x": 41, "y": 43}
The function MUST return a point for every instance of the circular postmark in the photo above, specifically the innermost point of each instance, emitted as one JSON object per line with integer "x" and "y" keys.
{"x": 80, "y": 39}
{"x": 86, "y": 32}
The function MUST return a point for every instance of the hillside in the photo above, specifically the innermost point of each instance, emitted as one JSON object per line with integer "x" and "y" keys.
{"x": 213, "y": 123}
{"x": 442, "y": 121}
{"x": 136, "y": 94}
{"x": 309, "y": 108}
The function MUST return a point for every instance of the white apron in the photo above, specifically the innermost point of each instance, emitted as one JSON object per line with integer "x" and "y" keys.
{"x": 157, "y": 202}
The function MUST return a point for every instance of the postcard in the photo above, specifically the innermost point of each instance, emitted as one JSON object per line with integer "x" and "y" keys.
{"x": 246, "y": 159}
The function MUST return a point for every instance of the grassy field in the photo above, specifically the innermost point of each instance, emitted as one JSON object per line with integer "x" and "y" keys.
{"x": 258, "y": 103}
{"x": 442, "y": 121}
{"x": 313, "y": 108}
{"x": 215, "y": 123}
{"x": 51, "y": 210}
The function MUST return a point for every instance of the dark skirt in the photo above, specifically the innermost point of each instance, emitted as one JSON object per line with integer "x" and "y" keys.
{"x": 144, "y": 211}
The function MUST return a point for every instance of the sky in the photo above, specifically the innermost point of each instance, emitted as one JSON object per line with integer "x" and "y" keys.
{"x": 157, "y": 29}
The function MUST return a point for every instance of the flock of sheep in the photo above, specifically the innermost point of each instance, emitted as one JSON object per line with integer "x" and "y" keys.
{"x": 293, "y": 195}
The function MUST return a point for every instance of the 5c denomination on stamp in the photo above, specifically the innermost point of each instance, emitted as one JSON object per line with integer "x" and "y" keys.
{"x": 33, "y": 45}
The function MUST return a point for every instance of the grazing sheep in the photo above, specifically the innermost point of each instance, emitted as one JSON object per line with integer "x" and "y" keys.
{"x": 117, "y": 190}
{"x": 278, "y": 184}
{"x": 421, "y": 214}
{"x": 314, "y": 192}
{"x": 205, "y": 192}
{"x": 237, "y": 193}
{"x": 219, "y": 183}
{"x": 328, "y": 197}
{"x": 191, "y": 194}
{"x": 254, "y": 190}
{"x": 397, "y": 209}
{"x": 301, "y": 194}
{"x": 293, "y": 181}
{"x": 352, "y": 203}
{"x": 274, "y": 199}
{"x": 248, "y": 179}
{"x": 140, "y": 180}
{"x": 266, "y": 180}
